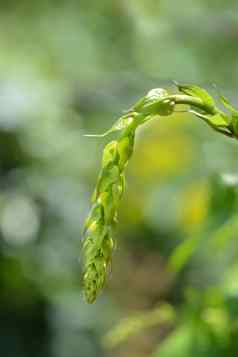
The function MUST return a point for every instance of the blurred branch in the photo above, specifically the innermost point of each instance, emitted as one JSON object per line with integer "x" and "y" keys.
{"x": 133, "y": 325}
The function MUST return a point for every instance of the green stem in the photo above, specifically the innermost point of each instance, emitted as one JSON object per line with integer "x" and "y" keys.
{"x": 193, "y": 101}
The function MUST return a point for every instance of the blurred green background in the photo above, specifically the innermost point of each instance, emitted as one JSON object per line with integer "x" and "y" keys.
{"x": 69, "y": 68}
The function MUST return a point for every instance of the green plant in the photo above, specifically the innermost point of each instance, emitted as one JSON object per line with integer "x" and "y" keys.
{"x": 98, "y": 231}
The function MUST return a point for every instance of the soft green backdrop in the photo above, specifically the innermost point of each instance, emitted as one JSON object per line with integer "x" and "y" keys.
{"x": 71, "y": 67}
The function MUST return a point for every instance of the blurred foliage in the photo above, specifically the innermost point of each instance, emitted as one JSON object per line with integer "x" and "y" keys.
{"x": 70, "y": 68}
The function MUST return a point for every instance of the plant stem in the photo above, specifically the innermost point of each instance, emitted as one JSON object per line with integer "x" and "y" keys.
{"x": 193, "y": 101}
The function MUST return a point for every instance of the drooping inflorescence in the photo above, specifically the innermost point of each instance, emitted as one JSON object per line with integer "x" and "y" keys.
{"x": 98, "y": 240}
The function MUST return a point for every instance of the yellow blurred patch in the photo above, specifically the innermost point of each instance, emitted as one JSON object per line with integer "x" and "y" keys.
{"x": 161, "y": 152}
{"x": 131, "y": 211}
{"x": 193, "y": 207}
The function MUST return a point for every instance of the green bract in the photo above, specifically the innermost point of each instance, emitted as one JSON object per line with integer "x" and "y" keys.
{"x": 233, "y": 112}
{"x": 156, "y": 102}
{"x": 98, "y": 242}
{"x": 196, "y": 91}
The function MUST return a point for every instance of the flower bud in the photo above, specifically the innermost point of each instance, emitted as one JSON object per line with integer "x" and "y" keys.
{"x": 155, "y": 103}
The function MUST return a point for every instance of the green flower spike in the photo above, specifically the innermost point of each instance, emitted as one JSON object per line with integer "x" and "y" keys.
{"x": 98, "y": 231}
{"x": 98, "y": 243}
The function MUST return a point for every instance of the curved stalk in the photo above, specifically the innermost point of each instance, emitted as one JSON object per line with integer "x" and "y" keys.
{"x": 98, "y": 240}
